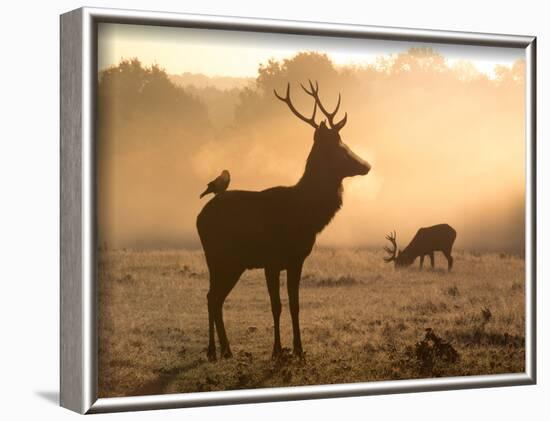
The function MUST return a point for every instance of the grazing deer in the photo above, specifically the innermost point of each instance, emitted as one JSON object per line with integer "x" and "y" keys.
{"x": 275, "y": 229}
{"x": 426, "y": 241}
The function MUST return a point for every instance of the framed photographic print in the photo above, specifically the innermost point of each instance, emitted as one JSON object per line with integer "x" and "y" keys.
{"x": 260, "y": 210}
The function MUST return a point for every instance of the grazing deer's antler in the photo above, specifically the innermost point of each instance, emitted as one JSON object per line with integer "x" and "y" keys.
{"x": 314, "y": 92}
{"x": 392, "y": 238}
{"x": 287, "y": 101}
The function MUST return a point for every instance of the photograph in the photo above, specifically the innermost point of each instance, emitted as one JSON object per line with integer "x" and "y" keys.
{"x": 281, "y": 210}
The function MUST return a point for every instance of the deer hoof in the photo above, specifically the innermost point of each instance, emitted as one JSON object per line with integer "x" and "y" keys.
{"x": 276, "y": 354}
{"x": 226, "y": 353}
{"x": 299, "y": 353}
{"x": 211, "y": 355}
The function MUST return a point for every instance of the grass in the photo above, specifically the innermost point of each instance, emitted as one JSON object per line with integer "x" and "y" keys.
{"x": 361, "y": 321}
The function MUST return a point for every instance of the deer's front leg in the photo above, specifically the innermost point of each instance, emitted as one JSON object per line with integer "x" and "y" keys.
{"x": 272, "y": 278}
{"x": 421, "y": 261}
{"x": 293, "y": 275}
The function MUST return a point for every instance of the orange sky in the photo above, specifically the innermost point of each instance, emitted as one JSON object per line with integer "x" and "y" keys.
{"x": 438, "y": 153}
{"x": 234, "y": 53}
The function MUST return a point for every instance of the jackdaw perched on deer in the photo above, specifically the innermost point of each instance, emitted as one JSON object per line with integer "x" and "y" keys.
{"x": 275, "y": 229}
{"x": 218, "y": 185}
{"x": 426, "y": 241}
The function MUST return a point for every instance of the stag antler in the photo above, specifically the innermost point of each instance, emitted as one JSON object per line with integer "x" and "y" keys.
{"x": 287, "y": 101}
{"x": 314, "y": 92}
{"x": 392, "y": 238}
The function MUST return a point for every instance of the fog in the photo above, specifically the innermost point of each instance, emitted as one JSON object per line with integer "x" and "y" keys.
{"x": 446, "y": 144}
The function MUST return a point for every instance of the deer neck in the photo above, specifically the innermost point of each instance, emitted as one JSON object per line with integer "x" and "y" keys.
{"x": 320, "y": 197}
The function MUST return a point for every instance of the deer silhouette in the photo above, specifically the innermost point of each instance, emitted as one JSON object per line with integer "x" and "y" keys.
{"x": 426, "y": 241}
{"x": 275, "y": 229}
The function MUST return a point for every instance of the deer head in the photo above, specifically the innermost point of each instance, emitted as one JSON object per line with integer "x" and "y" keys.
{"x": 329, "y": 155}
{"x": 397, "y": 256}
{"x": 393, "y": 253}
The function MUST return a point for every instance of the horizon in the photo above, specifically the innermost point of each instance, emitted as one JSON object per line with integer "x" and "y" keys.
{"x": 519, "y": 253}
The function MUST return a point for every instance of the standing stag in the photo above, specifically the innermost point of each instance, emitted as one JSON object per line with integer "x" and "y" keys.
{"x": 426, "y": 241}
{"x": 275, "y": 229}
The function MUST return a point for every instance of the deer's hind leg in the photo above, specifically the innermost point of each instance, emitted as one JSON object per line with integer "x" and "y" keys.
{"x": 273, "y": 287}
{"x": 450, "y": 259}
{"x": 221, "y": 284}
{"x": 211, "y": 352}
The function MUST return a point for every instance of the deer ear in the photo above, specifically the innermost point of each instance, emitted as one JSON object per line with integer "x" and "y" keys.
{"x": 320, "y": 131}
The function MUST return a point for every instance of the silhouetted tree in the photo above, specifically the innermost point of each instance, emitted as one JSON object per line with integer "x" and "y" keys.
{"x": 136, "y": 98}
{"x": 257, "y": 102}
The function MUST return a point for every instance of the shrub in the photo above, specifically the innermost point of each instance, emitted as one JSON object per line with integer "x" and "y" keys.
{"x": 432, "y": 354}
{"x": 453, "y": 291}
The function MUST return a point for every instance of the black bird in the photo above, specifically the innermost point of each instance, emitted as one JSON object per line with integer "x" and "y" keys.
{"x": 218, "y": 185}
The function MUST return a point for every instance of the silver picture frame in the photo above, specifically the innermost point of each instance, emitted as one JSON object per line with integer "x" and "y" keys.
{"x": 78, "y": 300}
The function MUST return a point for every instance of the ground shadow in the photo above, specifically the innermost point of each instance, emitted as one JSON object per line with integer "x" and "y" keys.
{"x": 51, "y": 396}
{"x": 158, "y": 385}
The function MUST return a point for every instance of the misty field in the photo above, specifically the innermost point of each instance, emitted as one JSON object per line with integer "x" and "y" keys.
{"x": 361, "y": 321}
